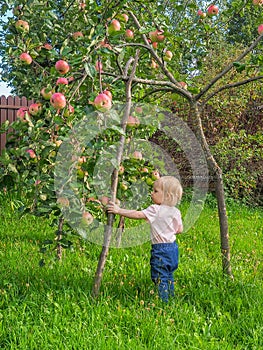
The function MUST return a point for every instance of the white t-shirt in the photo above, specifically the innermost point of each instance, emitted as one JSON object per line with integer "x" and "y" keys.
{"x": 165, "y": 222}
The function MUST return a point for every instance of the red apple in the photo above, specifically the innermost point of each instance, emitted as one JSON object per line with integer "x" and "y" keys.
{"x": 123, "y": 17}
{"x": 104, "y": 200}
{"x": 137, "y": 155}
{"x": 144, "y": 170}
{"x": 47, "y": 46}
{"x": 77, "y": 35}
{"x": 62, "y": 66}
{"x": 63, "y": 201}
{"x": 257, "y": 2}
{"x": 157, "y": 36}
{"x": 132, "y": 121}
{"x": 155, "y": 45}
{"x": 260, "y": 29}
{"x": 129, "y": 35}
{"x": 82, "y": 6}
{"x": 114, "y": 27}
{"x": 155, "y": 175}
{"x": 183, "y": 84}
{"x": 58, "y": 100}
{"x": 168, "y": 55}
{"x": 69, "y": 111}
{"x": 102, "y": 103}
{"x": 62, "y": 81}
{"x": 22, "y": 26}
{"x": 212, "y": 10}
{"x": 121, "y": 169}
{"x": 35, "y": 109}
{"x": 108, "y": 93}
{"x": 26, "y": 58}
{"x": 138, "y": 110}
{"x": 21, "y": 113}
{"x": 201, "y": 14}
{"x": 87, "y": 218}
{"x": 31, "y": 153}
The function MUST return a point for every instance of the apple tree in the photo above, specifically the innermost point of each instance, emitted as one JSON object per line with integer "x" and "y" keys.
{"x": 79, "y": 60}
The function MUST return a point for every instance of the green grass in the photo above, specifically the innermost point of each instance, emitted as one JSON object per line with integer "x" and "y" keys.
{"x": 52, "y": 308}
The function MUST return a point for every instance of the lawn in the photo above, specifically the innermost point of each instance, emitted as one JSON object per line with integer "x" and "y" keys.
{"x": 51, "y": 307}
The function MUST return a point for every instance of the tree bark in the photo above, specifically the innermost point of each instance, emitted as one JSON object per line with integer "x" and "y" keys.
{"x": 114, "y": 183}
{"x": 220, "y": 194}
{"x": 59, "y": 237}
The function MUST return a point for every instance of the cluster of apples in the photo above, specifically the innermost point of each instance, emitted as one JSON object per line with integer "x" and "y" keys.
{"x": 115, "y": 25}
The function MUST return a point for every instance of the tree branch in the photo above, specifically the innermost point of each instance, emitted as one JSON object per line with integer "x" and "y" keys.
{"x": 229, "y": 86}
{"x": 228, "y": 68}
{"x": 157, "y": 58}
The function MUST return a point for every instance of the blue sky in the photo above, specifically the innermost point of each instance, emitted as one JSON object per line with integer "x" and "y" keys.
{"x": 4, "y": 89}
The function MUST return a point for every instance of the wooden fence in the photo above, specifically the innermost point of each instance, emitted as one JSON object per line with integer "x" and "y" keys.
{"x": 8, "y": 109}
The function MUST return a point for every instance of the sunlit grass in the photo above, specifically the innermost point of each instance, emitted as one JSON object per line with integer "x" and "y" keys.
{"x": 52, "y": 308}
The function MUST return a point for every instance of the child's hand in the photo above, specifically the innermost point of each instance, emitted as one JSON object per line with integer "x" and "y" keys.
{"x": 113, "y": 208}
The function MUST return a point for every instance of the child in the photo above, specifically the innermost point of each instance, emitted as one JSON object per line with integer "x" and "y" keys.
{"x": 165, "y": 222}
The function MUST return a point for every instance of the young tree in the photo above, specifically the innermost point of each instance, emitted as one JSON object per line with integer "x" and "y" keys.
{"x": 75, "y": 58}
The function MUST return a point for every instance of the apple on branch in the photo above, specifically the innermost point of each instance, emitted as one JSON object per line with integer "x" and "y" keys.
{"x": 22, "y": 113}
{"x": 63, "y": 201}
{"x": 121, "y": 169}
{"x": 104, "y": 200}
{"x": 212, "y": 10}
{"x": 155, "y": 175}
{"x": 133, "y": 122}
{"x": 26, "y": 58}
{"x": 168, "y": 55}
{"x": 102, "y": 102}
{"x": 123, "y": 17}
{"x": 108, "y": 93}
{"x": 22, "y": 26}
{"x": 183, "y": 85}
{"x": 114, "y": 27}
{"x": 157, "y": 36}
{"x": 77, "y": 35}
{"x": 137, "y": 155}
{"x": 35, "y": 109}
{"x": 87, "y": 218}
{"x": 69, "y": 111}
{"x": 260, "y": 29}
{"x": 31, "y": 153}
{"x": 129, "y": 35}
{"x": 201, "y": 14}
{"x": 58, "y": 100}
{"x": 62, "y": 81}
{"x": 62, "y": 66}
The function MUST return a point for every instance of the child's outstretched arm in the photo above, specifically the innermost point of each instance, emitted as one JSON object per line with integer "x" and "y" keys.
{"x": 131, "y": 214}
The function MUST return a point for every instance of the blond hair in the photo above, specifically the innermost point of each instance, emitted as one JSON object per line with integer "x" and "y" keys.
{"x": 172, "y": 190}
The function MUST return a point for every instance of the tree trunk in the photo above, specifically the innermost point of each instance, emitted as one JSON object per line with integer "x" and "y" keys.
{"x": 220, "y": 193}
{"x": 223, "y": 221}
{"x": 59, "y": 237}
{"x": 114, "y": 183}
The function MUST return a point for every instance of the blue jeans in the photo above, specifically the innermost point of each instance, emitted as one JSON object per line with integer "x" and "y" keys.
{"x": 164, "y": 261}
